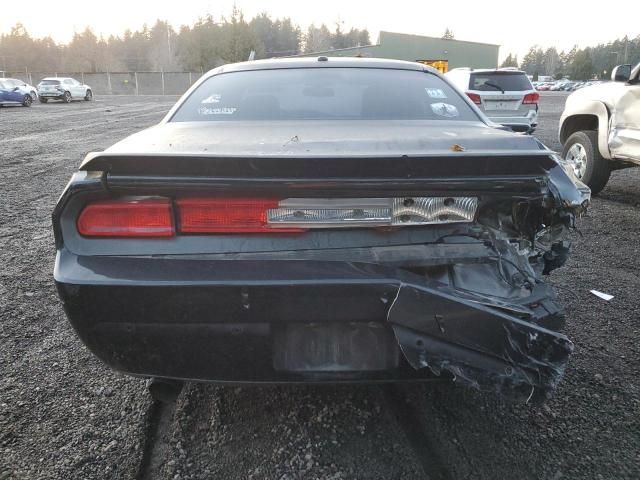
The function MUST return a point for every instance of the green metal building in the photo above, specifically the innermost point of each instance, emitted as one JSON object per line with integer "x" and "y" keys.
{"x": 400, "y": 46}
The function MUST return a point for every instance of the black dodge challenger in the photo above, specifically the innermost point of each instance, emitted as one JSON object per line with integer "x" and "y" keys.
{"x": 321, "y": 220}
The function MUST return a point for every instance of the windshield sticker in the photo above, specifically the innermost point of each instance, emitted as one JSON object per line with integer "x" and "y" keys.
{"x": 435, "y": 93}
{"x": 217, "y": 111}
{"x": 444, "y": 110}
{"x": 215, "y": 98}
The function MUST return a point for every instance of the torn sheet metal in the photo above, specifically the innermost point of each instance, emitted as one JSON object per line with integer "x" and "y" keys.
{"x": 481, "y": 347}
{"x": 494, "y": 326}
{"x": 624, "y": 133}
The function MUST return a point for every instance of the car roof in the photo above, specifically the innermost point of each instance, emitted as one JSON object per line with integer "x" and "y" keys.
{"x": 322, "y": 62}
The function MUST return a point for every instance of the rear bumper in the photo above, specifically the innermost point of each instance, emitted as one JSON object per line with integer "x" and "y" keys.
{"x": 526, "y": 122}
{"x": 51, "y": 95}
{"x": 303, "y": 321}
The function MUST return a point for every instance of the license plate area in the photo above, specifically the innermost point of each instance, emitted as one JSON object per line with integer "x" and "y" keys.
{"x": 492, "y": 105}
{"x": 335, "y": 347}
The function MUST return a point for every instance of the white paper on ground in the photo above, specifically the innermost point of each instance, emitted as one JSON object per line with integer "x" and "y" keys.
{"x": 604, "y": 296}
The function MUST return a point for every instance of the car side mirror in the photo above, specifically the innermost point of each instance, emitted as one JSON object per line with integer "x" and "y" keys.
{"x": 15, "y": 89}
{"x": 621, "y": 73}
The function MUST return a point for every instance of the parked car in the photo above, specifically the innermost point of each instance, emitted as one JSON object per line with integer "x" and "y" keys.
{"x": 505, "y": 95}
{"x": 64, "y": 88}
{"x": 24, "y": 86}
{"x": 11, "y": 95}
{"x": 321, "y": 220}
{"x": 600, "y": 127}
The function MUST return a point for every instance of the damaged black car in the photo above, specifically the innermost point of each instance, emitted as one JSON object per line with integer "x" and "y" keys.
{"x": 321, "y": 220}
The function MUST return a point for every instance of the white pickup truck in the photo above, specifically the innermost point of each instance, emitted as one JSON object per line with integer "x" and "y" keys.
{"x": 600, "y": 127}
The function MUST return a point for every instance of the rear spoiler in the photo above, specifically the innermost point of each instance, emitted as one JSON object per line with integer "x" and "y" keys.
{"x": 533, "y": 162}
{"x": 530, "y": 174}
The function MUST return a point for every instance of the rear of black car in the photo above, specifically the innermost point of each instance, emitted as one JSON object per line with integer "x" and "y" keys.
{"x": 306, "y": 222}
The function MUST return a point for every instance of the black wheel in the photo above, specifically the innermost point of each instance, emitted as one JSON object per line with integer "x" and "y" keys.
{"x": 89, "y": 96}
{"x": 43, "y": 100}
{"x": 581, "y": 152}
{"x": 66, "y": 98}
{"x": 27, "y": 100}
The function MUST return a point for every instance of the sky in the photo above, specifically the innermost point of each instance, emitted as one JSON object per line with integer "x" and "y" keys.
{"x": 513, "y": 25}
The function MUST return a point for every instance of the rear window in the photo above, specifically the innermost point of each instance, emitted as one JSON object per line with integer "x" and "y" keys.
{"x": 324, "y": 94}
{"x": 507, "y": 81}
{"x": 50, "y": 82}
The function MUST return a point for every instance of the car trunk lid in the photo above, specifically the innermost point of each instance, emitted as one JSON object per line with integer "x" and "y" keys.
{"x": 318, "y": 138}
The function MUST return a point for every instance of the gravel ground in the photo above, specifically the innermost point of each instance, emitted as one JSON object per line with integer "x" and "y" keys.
{"x": 64, "y": 415}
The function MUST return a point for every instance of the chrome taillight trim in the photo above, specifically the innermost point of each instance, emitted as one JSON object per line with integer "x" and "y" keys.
{"x": 371, "y": 212}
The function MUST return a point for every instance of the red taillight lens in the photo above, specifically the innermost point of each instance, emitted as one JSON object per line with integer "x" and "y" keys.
{"x": 531, "y": 98}
{"x": 475, "y": 98}
{"x": 227, "y": 215}
{"x": 127, "y": 218}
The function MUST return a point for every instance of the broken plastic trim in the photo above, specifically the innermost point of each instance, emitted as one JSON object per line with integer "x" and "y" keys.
{"x": 481, "y": 347}
{"x": 487, "y": 345}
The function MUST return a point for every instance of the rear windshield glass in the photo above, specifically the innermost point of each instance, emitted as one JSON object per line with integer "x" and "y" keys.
{"x": 4, "y": 84}
{"x": 50, "y": 82}
{"x": 324, "y": 94}
{"x": 515, "y": 81}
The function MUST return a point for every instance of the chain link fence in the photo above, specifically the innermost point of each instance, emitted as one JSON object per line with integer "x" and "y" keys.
{"x": 121, "y": 83}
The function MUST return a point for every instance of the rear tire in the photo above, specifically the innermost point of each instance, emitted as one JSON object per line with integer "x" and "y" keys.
{"x": 66, "y": 98}
{"x": 581, "y": 152}
{"x": 27, "y": 100}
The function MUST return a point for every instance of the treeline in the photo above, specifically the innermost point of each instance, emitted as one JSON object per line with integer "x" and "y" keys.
{"x": 204, "y": 45}
{"x": 578, "y": 64}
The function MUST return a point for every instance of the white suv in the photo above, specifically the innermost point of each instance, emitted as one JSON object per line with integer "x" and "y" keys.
{"x": 63, "y": 88}
{"x": 505, "y": 95}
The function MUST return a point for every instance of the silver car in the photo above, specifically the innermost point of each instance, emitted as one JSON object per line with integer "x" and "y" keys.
{"x": 63, "y": 88}
{"x": 505, "y": 95}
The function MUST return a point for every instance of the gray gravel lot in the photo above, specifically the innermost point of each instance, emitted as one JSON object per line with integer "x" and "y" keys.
{"x": 64, "y": 415}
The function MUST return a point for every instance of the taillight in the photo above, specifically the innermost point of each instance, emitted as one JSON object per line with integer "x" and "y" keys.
{"x": 127, "y": 218}
{"x": 154, "y": 217}
{"x": 530, "y": 98}
{"x": 291, "y": 215}
{"x": 227, "y": 215}
{"x": 475, "y": 98}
